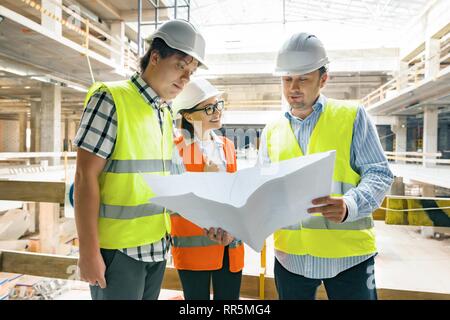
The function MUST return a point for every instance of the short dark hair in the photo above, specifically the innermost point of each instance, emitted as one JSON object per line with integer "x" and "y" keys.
{"x": 162, "y": 48}
{"x": 322, "y": 71}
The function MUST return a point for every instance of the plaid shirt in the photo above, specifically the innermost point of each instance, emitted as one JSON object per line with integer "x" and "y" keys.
{"x": 97, "y": 134}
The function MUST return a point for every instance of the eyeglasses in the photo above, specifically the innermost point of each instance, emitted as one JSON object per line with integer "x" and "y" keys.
{"x": 211, "y": 108}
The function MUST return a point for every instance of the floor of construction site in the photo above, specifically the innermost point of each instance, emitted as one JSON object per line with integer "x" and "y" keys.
{"x": 407, "y": 260}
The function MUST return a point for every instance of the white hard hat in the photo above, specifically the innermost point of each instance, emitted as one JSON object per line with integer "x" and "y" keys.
{"x": 195, "y": 92}
{"x": 302, "y": 53}
{"x": 182, "y": 35}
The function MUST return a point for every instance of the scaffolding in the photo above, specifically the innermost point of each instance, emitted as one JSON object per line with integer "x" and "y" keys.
{"x": 159, "y": 5}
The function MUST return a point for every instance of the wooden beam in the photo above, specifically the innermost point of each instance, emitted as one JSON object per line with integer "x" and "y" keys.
{"x": 171, "y": 280}
{"x": 37, "y": 264}
{"x": 29, "y": 155}
{"x": 147, "y": 15}
{"x": 33, "y": 191}
{"x": 14, "y": 109}
{"x": 63, "y": 267}
{"x": 48, "y": 227}
{"x": 108, "y": 7}
{"x": 379, "y": 215}
{"x": 22, "y": 131}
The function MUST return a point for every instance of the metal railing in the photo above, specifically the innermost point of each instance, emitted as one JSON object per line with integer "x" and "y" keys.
{"x": 87, "y": 33}
{"x": 411, "y": 77}
{"x": 26, "y": 156}
{"x": 417, "y": 157}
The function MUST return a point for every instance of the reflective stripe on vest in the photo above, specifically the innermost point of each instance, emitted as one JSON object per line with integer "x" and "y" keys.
{"x": 197, "y": 241}
{"x": 193, "y": 241}
{"x": 319, "y": 222}
{"x": 129, "y": 212}
{"x": 127, "y": 218}
{"x": 317, "y": 235}
{"x": 340, "y": 188}
{"x": 137, "y": 166}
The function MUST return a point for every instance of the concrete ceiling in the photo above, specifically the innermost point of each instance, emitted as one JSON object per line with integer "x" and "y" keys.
{"x": 27, "y": 55}
{"x": 26, "y": 52}
{"x": 110, "y": 10}
{"x": 381, "y": 14}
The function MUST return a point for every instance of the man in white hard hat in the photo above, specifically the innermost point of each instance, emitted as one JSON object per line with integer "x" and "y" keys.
{"x": 336, "y": 243}
{"x": 127, "y": 129}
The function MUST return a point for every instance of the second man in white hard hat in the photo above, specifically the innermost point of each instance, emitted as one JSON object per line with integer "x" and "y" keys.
{"x": 336, "y": 244}
{"x": 127, "y": 129}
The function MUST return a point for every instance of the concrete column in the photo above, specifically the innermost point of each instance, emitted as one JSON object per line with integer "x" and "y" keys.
{"x": 432, "y": 51}
{"x": 65, "y": 124}
{"x": 63, "y": 135}
{"x": 118, "y": 32}
{"x": 399, "y": 128}
{"x": 69, "y": 133}
{"x": 9, "y": 136}
{"x": 22, "y": 132}
{"x": 1, "y": 136}
{"x": 52, "y": 23}
{"x": 35, "y": 126}
{"x": 355, "y": 93}
{"x": 430, "y": 132}
{"x": 402, "y": 75}
{"x": 398, "y": 187}
{"x": 77, "y": 126}
{"x": 51, "y": 120}
{"x": 428, "y": 190}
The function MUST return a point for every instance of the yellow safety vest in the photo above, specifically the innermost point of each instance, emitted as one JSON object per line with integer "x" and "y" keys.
{"x": 316, "y": 235}
{"x": 126, "y": 217}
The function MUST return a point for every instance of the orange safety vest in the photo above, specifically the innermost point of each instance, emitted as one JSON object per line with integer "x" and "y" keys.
{"x": 192, "y": 250}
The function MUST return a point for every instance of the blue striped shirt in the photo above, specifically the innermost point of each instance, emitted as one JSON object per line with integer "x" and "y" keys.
{"x": 367, "y": 159}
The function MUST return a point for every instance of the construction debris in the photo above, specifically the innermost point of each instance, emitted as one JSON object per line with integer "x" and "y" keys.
{"x": 14, "y": 223}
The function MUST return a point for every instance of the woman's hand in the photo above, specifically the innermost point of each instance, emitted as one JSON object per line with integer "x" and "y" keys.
{"x": 218, "y": 235}
{"x": 211, "y": 167}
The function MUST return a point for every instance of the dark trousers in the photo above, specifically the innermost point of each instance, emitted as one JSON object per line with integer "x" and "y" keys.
{"x": 129, "y": 279}
{"x": 226, "y": 284}
{"x": 356, "y": 283}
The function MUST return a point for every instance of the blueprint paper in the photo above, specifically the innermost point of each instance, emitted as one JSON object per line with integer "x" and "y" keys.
{"x": 252, "y": 203}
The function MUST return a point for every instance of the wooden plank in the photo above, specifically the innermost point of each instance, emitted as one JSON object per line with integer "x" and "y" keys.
{"x": 48, "y": 227}
{"x": 379, "y": 214}
{"x": 38, "y": 264}
{"x": 250, "y": 286}
{"x": 171, "y": 280}
{"x": 392, "y": 294}
{"x": 53, "y": 266}
{"x": 33, "y": 191}
{"x": 28, "y": 155}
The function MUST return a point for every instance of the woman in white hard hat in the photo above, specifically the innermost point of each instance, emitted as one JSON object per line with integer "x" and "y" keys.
{"x": 204, "y": 255}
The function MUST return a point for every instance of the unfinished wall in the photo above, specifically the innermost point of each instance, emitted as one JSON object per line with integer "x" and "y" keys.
{"x": 9, "y": 136}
